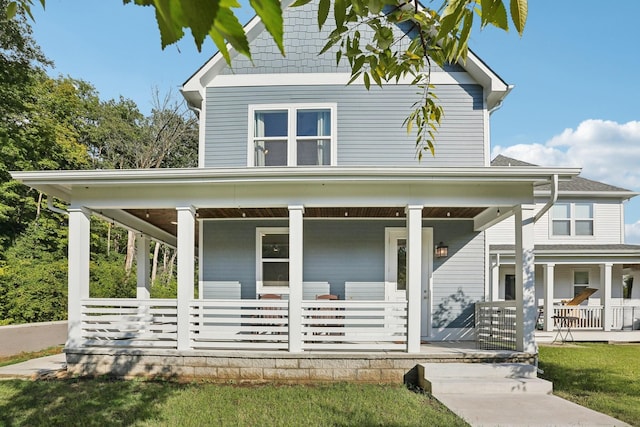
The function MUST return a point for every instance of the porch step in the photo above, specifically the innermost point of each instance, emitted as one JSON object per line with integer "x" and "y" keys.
{"x": 481, "y": 378}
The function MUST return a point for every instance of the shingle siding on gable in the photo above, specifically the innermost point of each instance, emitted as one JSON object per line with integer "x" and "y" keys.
{"x": 370, "y": 130}
{"x": 303, "y": 41}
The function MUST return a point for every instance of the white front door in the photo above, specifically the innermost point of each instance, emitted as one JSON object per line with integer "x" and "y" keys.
{"x": 396, "y": 271}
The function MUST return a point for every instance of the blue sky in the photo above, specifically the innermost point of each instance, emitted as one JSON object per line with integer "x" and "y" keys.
{"x": 576, "y": 100}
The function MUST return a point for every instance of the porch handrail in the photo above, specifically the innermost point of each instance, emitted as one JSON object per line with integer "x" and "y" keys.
{"x": 129, "y": 322}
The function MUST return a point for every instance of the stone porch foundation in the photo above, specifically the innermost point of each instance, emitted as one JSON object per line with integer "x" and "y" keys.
{"x": 258, "y": 366}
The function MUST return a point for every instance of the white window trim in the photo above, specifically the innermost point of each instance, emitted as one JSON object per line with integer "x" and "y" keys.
{"x": 260, "y": 288}
{"x": 291, "y": 137}
{"x": 572, "y": 221}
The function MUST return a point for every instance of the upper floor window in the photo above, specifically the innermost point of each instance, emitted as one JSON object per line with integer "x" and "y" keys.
{"x": 297, "y": 135}
{"x": 572, "y": 219}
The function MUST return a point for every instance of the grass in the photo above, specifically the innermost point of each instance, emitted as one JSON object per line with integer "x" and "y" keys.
{"x": 105, "y": 402}
{"x": 603, "y": 377}
{"x": 23, "y": 357}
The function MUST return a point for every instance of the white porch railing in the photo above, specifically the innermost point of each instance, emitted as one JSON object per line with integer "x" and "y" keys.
{"x": 582, "y": 317}
{"x": 354, "y": 325}
{"x": 239, "y": 324}
{"x": 496, "y": 325}
{"x": 135, "y": 323}
{"x": 326, "y": 325}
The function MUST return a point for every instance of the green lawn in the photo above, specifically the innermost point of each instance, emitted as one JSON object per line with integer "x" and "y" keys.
{"x": 602, "y": 377}
{"x": 23, "y": 357}
{"x": 104, "y": 402}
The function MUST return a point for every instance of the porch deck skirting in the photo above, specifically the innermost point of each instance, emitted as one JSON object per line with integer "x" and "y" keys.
{"x": 275, "y": 366}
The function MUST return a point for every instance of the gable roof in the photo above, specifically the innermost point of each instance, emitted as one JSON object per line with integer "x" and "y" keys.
{"x": 574, "y": 186}
{"x": 194, "y": 88}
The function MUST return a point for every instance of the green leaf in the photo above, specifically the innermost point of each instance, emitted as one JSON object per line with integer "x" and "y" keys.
{"x": 299, "y": 3}
{"x": 170, "y": 20}
{"x": 12, "y": 9}
{"x": 323, "y": 12}
{"x": 339, "y": 12}
{"x": 270, "y": 13}
{"x": 519, "y": 10}
{"x": 230, "y": 28}
{"x": 199, "y": 16}
{"x": 221, "y": 44}
{"x": 494, "y": 12}
{"x": 367, "y": 82}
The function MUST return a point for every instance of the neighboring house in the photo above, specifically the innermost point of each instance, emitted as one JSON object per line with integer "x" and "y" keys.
{"x": 307, "y": 186}
{"x": 579, "y": 244}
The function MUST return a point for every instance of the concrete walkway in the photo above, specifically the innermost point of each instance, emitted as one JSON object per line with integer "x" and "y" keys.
{"x": 523, "y": 410}
{"x": 504, "y": 394}
{"x": 41, "y": 368}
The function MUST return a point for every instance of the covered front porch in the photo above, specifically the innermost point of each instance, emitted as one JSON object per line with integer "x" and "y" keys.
{"x": 603, "y": 274}
{"x": 194, "y": 208}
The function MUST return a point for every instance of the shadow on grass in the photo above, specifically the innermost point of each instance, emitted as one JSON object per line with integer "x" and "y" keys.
{"x": 86, "y": 402}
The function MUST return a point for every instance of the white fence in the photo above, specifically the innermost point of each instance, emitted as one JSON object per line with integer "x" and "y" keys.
{"x": 134, "y": 323}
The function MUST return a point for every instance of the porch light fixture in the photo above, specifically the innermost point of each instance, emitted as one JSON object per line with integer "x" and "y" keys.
{"x": 442, "y": 251}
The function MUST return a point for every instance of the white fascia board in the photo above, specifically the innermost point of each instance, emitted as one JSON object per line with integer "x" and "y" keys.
{"x": 289, "y": 174}
{"x": 496, "y": 88}
{"x": 323, "y": 79}
{"x": 590, "y": 194}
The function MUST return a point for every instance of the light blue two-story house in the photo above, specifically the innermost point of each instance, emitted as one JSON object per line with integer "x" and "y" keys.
{"x": 315, "y": 228}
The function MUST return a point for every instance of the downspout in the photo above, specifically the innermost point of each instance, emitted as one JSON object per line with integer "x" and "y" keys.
{"x": 552, "y": 200}
{"x": 54, "y": 209}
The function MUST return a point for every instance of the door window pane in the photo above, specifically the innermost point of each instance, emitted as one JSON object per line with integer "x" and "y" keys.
{"x": 510, "y": 287}
{"x": 401, "y": 278}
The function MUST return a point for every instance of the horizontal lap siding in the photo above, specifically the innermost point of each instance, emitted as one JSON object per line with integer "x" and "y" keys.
{"x": 458, "y": 280}
{"x": 370, "y": 123}
{"x": 338, "y": 251}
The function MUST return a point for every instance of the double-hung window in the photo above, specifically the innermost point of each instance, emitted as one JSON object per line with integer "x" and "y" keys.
{"x": 580, "y": 281}
{"x": 296, "y": 135}
{"x": 572, "y": 219}
{"x": 272, "y": 256}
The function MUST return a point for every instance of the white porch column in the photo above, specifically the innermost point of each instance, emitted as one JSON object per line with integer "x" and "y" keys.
{"x": 605, "y": 289}
{"x": 78, "y": 286}
{"x": 525, "y": 280}
{"x": 295, "y": 277}
{"x": 494, "y": 295}
{"x": 186, "y": 262}
{"x": 549, "y": 283}
{"x": 143, "y": 264}
{"x": 414, "y": 276}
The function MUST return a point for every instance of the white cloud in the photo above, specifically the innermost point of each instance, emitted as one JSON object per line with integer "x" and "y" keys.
{"x": 632, "y": 233}
{"x": 606, "y": 150}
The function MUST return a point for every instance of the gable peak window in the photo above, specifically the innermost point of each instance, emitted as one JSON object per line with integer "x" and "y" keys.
{"x": 572, "y": 219}
{"x": 296, "y": 135}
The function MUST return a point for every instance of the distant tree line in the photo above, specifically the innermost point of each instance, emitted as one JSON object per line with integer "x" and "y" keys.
{"x": 61, "y": 123}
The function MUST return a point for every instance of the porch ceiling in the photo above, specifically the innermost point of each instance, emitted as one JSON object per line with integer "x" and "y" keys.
{"x": 166, "y": 219}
